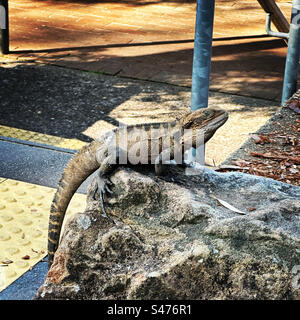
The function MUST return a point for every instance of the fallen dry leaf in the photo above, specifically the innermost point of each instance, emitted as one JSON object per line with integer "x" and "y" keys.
{"x": 229, "y": 206}
{"x": 293, "y": 105}
{"x": 260, "y": 139}
{"x": 241, "y": 163}
{"x": 276, "y": 156}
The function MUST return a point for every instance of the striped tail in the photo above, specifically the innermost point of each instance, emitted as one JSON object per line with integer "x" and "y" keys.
{"x": 81, "y": 166}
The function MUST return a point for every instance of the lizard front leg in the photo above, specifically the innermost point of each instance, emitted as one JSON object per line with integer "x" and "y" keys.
{"x": 167, "y": 155}
{"x": 163, "y": 157}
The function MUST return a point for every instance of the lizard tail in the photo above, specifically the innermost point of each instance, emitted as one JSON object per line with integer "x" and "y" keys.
{"x": 82, "y": 165}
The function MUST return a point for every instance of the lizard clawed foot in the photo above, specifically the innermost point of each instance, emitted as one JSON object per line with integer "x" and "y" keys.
{"x": 102, "y": 189}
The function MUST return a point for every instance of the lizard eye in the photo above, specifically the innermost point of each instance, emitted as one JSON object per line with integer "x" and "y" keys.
{"x": 207, "y": 112}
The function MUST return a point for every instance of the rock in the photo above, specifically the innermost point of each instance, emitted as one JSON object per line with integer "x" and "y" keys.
{"x": 169, "y": 238}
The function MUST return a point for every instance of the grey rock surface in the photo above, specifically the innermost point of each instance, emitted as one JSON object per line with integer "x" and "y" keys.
{"x": 170, "y": 238}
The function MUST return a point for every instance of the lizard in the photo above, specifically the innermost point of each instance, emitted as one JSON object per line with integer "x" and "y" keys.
{"x": 106, "y": 154}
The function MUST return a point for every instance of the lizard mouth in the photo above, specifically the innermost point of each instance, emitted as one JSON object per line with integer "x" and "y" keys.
{"x": 217, "y": 121}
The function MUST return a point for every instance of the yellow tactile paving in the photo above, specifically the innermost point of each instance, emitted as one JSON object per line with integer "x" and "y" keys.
{"x": 40, "y": 138}
{"x": 24, "y": 214}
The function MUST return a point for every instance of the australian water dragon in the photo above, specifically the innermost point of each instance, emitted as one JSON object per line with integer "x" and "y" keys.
{"x": 153, "y": 143}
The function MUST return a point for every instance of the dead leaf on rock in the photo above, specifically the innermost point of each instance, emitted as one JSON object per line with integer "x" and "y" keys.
{"x": 229, "y": 206}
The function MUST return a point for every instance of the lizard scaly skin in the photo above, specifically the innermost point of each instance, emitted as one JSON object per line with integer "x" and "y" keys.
{"x": 98, "y": 155}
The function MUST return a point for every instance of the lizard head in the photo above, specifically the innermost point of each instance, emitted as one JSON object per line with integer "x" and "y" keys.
{"x": 205, "y": 117}
{"x": 202, "y": 124}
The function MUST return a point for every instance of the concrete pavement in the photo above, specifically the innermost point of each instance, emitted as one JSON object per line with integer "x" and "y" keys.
{"x": 152, "y": 40}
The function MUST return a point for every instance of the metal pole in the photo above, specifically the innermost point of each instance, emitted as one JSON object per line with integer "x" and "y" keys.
{"x": 202, "y": 53}
{"x": 201, "y": 65}
{"x": 4, "y": 33}
{"x": 293, "y": 55}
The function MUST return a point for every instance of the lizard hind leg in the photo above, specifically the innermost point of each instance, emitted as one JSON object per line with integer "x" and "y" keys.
{"x": 102, "y": 188}
{"x": 103, "y": 183}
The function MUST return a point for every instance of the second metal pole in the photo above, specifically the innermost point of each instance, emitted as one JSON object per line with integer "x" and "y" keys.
{"x": 293, "y": 55}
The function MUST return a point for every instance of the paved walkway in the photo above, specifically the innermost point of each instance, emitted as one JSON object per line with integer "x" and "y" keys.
{"x": 151, "y": 40}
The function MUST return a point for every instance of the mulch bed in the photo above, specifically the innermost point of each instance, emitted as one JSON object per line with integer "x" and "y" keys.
{"x": 274, "y": 151}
